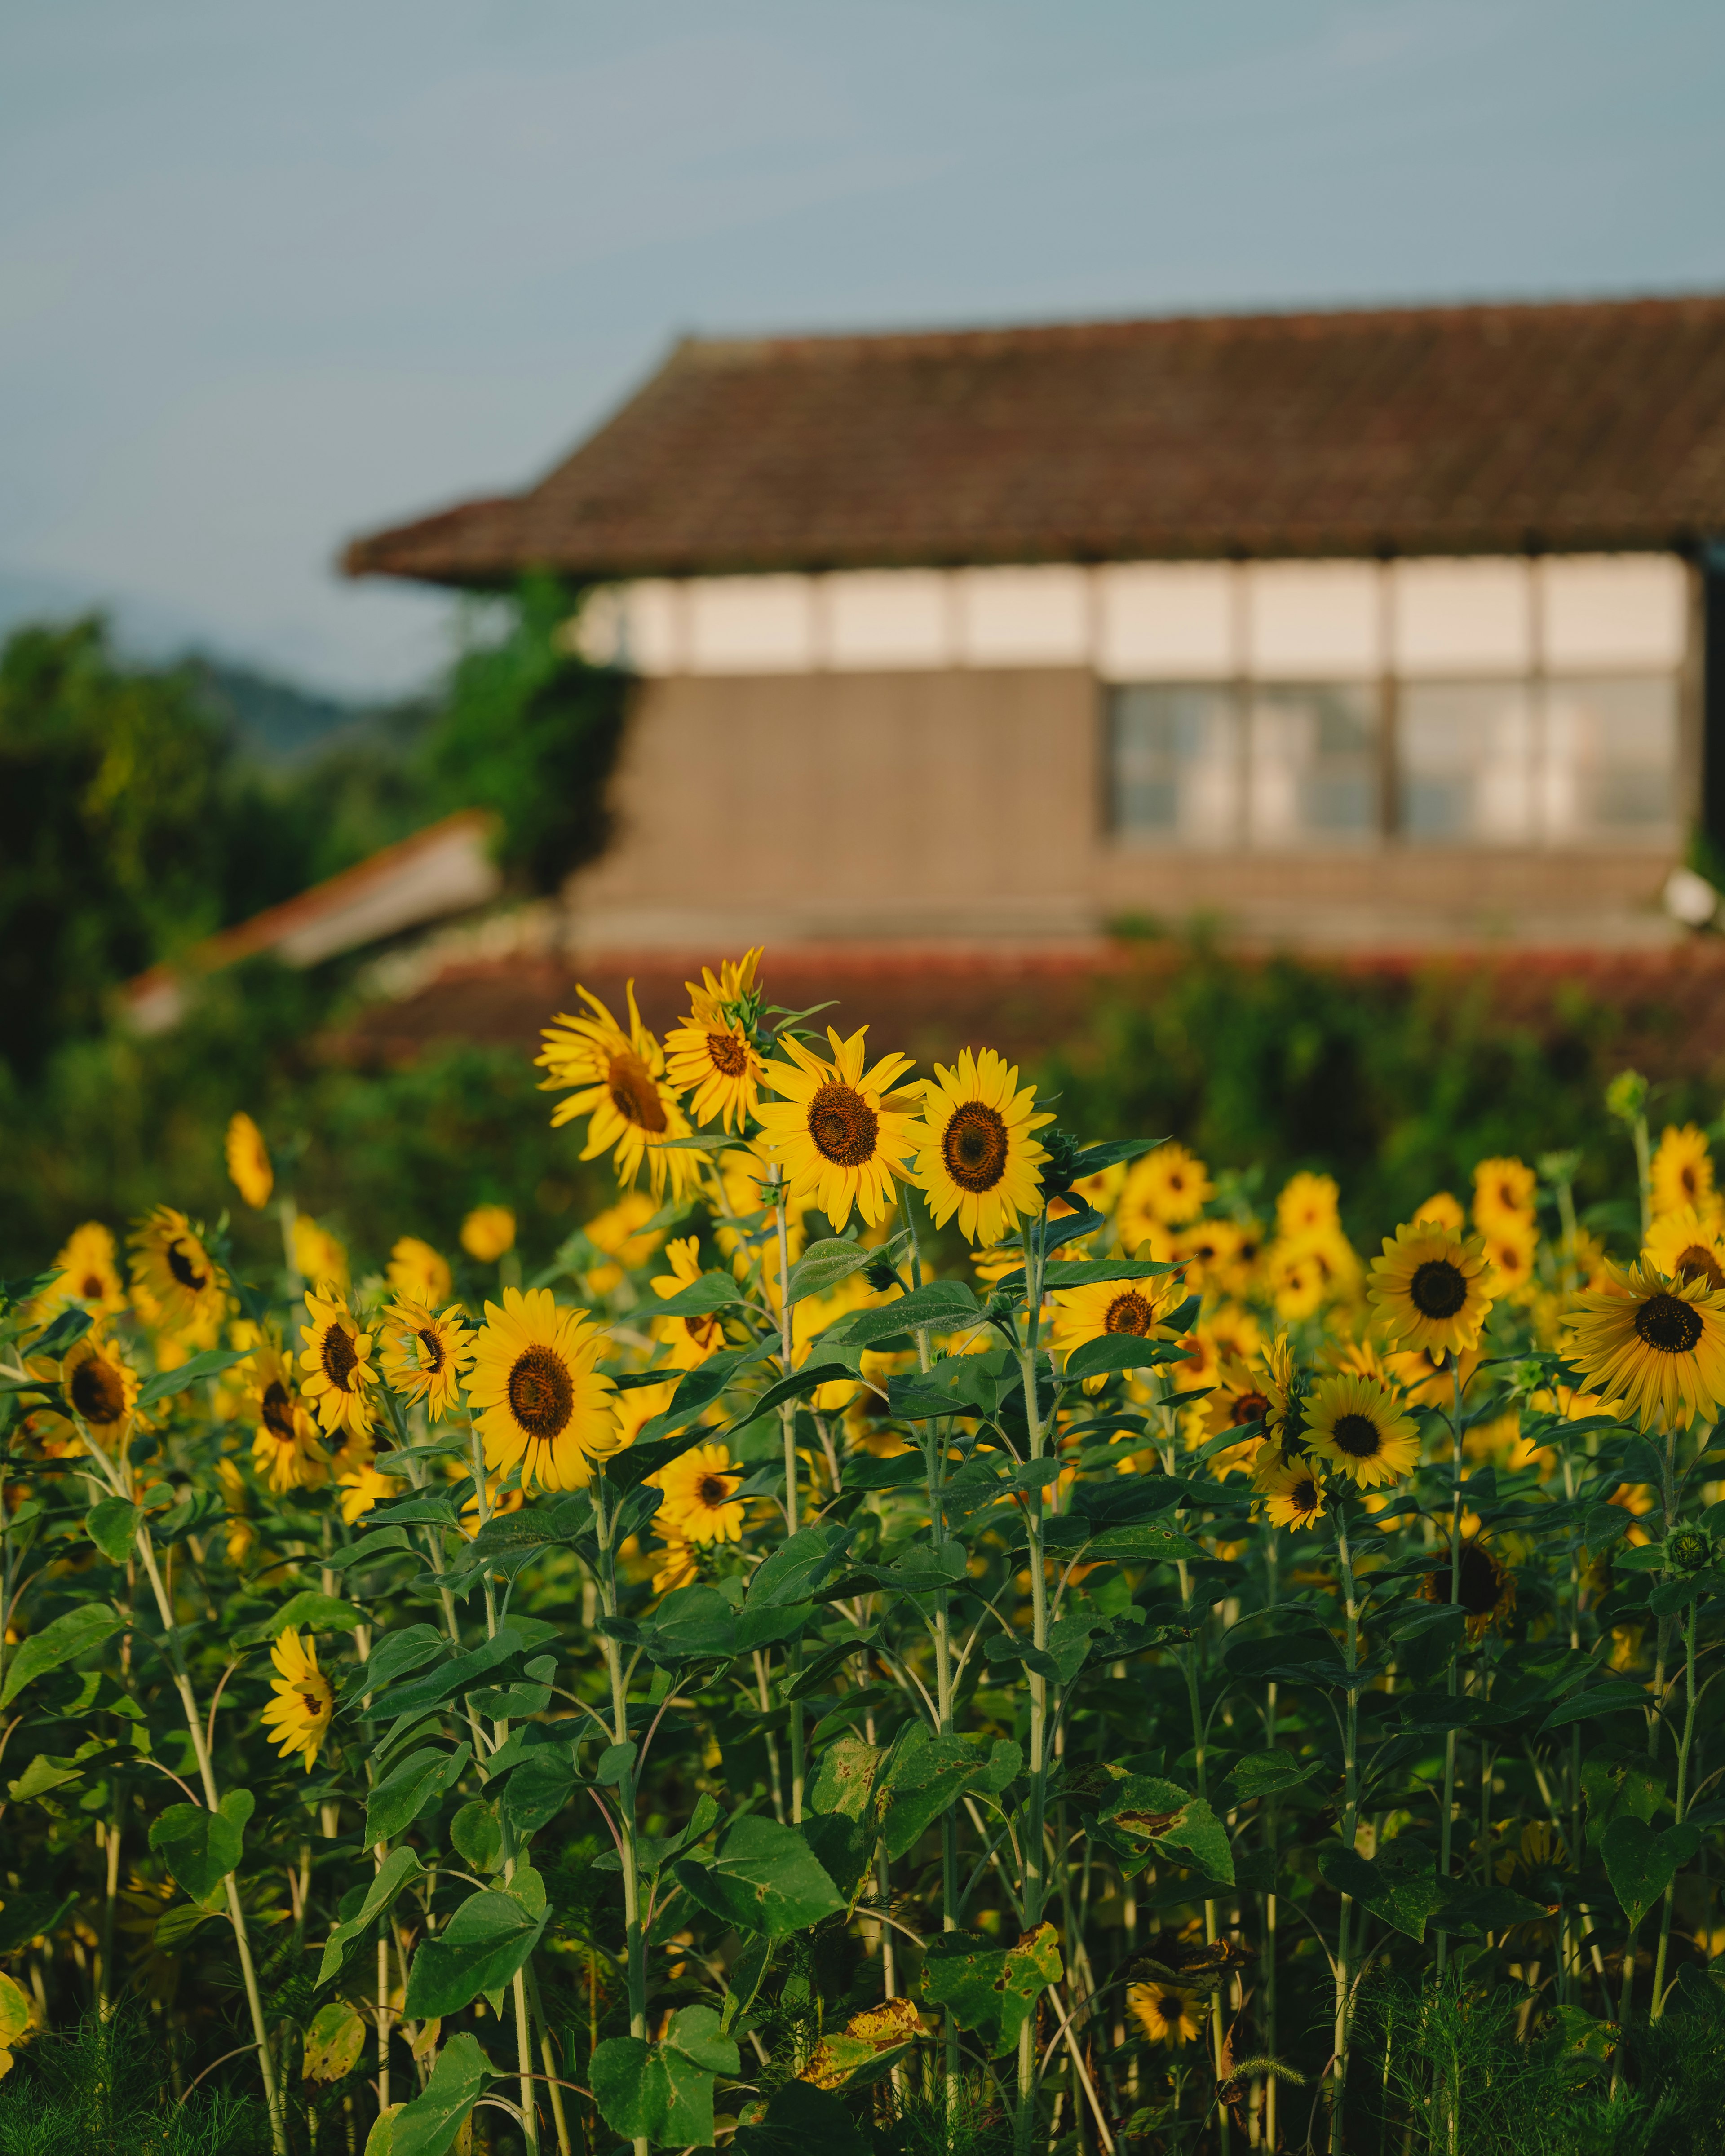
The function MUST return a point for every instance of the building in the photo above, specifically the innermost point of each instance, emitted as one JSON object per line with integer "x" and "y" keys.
{"x": 1378, "y": 631}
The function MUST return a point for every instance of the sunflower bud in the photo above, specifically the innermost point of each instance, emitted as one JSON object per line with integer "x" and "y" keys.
{"x": 882, "y": 1275}
{"x": 1627, "y": 1095}
{"x": 1059, "y": 1171}
{"x": 1688, "y": 1550}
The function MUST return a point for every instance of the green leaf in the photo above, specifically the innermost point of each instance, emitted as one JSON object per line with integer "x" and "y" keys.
{"x": 1485, "y": 1908}
{"x": 801, "y": 2119}
{"x": 42, "y": 1774}
{"x": 399, "y": 1868}
{"x": 1141, "y": 1544}
{"x": 1120, "y": 1351}
{"x": 454, "y": 1676}
{"x": 1618, "y": 1782}
{"x": 209, "y": 1364}
{"x": 1174, "y": 1823}
{"x": 334, "y": 2039}
{"x": 199, "y": 1847}
{"x": 112, "y": 1526}
{"x": 939, "y": 1305}
{"x": 800, "y": 1564}
{"x": 762, "y": 1877}
{"x": 1614, "y": 1696}
{"x": 1267, "y": 1774}
{"x": 1084, "y": 1273}
{"x": 925, "y": 1776}
{"x": 664, "y": 2092}
{"x": 846, "y": 1779}
{"x": 538, "y": 1789}
{"x": 1640, "y": 1864}
{"x": 385, "y": 1542}
{"x": 711, "y": 1292}
{"x": 1400, "y": 1885}
{"x": 520, "y": 1701}
{"x": 28, "y": 1916}
{"x": 796, "y": 1387}
{"x": 477, "y": 1836}
{"x": 68, "y": 1637}
{"x": 395, "y": 1803}
{"x": 989, "y": 1989}
{"x": 395, "y": 1655}
{"x": 822, "y": 1265}
{"x": 479, "y": 1949}
{"x": 311, "y": 1611}
{"x": 428, "y": 2125}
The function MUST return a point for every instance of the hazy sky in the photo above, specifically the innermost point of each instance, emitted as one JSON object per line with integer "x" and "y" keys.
{"x": 270, "y": 275}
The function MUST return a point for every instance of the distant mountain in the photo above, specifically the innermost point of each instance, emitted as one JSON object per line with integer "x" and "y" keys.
{"x": 272, "y": 719}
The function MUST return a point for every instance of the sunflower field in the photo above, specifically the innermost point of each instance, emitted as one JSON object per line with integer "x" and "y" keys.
{"x": 920, "y": 1631}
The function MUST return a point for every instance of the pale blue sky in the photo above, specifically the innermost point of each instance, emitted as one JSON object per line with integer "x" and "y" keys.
{"x": 269, "y": 274}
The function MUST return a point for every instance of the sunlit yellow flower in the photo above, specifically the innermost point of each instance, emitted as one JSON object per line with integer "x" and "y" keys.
{"x": 1431, "y": 1288}
{"x": 617, "y": 1081}
{"x": 1682, "y": 1171}
{"x": 170, "y": 1264}
{"x": 1210, "y": 1250}
{"x": 673, "y": 1566}
{"x": 1307, "y": 1272}
{"x": 1688, "y": 1246}
{"x": 1240, "y": 1396}
{"x": 425, "y": 1353}
{"x": 839, "y": 1133}
{"x": 319, "y": 1255}
{"x": 88, "y": 1273}
{"x": 418, "y": 1273}
{"x": 1359, "y": 1426}
{"x": 99, "y": 1383}
{"x": 285, "y": 1451}
{"x": 538, "y": 1393}
{"x": 338, "y": 1361}
{"x": 241, "y": 1534}
{"x": 1502, "y": 1195}
{"x": 1426, "y": 1375}
{"x": 1292, "y": 1495}
{"x": 487, "y": 1233}
{"x": 248, "y": 1167}
{"x": 361, "y": 1489}
{"x": 1510, "y": 1247}
{"x": 691, "y": 1340}
{"x": 1163, "y": 1188}
{"x": 1138, "y": 1306}
{"x": 701, "y": 1503}
{"x": 298, "y": 1717}
{"x": 976, "y": 1155}
{"x": 711, "y": 1055}
{"x": 1441, "y": 1210}
{"x": 1167, "y": 2013}
{"x": 1656, "y": 1344}
{"x": 1306, "y": 1205}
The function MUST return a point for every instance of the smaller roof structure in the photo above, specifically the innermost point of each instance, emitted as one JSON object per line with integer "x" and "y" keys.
{"x": 445, "y": 869}
{"x": 1589, "y": 427}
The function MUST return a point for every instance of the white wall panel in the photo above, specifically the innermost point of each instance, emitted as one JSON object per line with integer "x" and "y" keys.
{"x": 1167, "y": 621}
{"x": 1613, "y": 610}
{"x": 887, "y": 617}
{"x": 1024, "y": 617}
{"x": 655, "y": 629}
{"x": 1462, "y": 616}
{"x": 750, "y": 625}
{"x": 1313, "y": 621}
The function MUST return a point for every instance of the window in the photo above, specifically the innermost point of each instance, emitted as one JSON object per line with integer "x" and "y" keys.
{"x": 1314, "y": 768}
{"x": 1175, "y": 764}
{"x": 1464, "y": 757}
{"x": 1611, "y": 759}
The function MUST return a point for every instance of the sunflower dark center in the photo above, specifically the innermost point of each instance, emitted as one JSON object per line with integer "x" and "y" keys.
{"x": 729, "y": 1056}
{"x": 1359, "y": 1436}
{"x": 338, "y": 1357}
{"x": 1697, "y": 1263}
{"x": 843, "y": 1124}
{"x": 541, "y": 1393}
{"x": 1249, "y": 1407}
{"x": 634, "y": 1095}
{"x": 1668, "y": 1323}
{"x": 1303, "y": 1496}
{"x": 92, "y": 1286}
{"x": 97, "y": 1392}
{"x": 712, "y": 1489}
{"x": 1129, "y": 1313}
{"x": 1479, "y": 1581}
{"x": 277, "y": 1412}
{"x": 1170, "y": 2007}
{"x": 433, "y": 1347}
{"x": 974, "y": 1147}
{"x": 705, "y": 1331}
{"x": 1438, "y": 1288}
{"x": 1688, "y": 1179}
{"x": 183, "y": 1266}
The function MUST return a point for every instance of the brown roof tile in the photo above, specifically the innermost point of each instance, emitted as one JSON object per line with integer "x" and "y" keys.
{"x": 1597, "y": 425}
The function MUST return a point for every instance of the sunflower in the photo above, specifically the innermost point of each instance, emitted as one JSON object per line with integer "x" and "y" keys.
{"x": 1431, "y": 1288}
{"x": 1510, "y": 1248}
{"x": 487, "y": 1233}
{"x": 1167, "y": 2013}
{"x": 1240, "y": 1396}
{"x": 98, "y": 1384}
{"x": 183, "y": 1283}
{"x": 1359, "y": 1426}
{"x": 1442, "y": 1210}
{"x": 425, "y": 1352}
{"x": 1164, "y": 1187}
{"x": 700, "y": 1502}
{"x": 1306, "y": 1204}
{"x": 618, "y": 1081}
{"x": 418, "y": 1273}
{"x": 1306, "y": 1271}
{"x": 1135, "y": 1307}
{"x": 975, "y": 1155}
{"x": 338, "y": 1352}
{"x": 298, "y": 1717}
{"x": 1502, "y": 1192}
{"x": 1658, "y": 1345}
{"x": 249, "y": 1167}
{"x": 711, "y": 1055}
{"x": 285, "y": 1451}
{"x": 691, "y": 1340}
{"x": 1487, "y": 1591}
{"x": 1688, "y": 1246}
{"x": 1292, "y": 1495}
{"x": 361, "y": 1489}
{"x": 541, "y": 1400}
{"x": 673, "y": 1566}
{"x": 319, "y": 1255}
{"x": 1682, "y": 1171}
{"x": 87, "y": 1272}
{"x": 1210, "y": 1250}
{"x": 241, "y": 1534}
{"x": 838, "y": 1132}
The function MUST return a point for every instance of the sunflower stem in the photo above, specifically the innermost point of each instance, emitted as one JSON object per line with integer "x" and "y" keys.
{"x": 1682, "y": 1802}
{"x": 605, "y": 1537}
{"x": 1447, "y": 1826}
{"x": 1350, "y": 1824}
{"x": 788, "y": 1417}
{"x": 1035, "y": 1860}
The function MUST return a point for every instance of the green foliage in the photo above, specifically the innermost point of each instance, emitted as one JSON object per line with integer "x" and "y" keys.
{"x": 99, "y": 2089}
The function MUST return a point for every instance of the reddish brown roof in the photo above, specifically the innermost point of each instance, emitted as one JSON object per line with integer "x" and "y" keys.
{"x": 1431, "y": 429}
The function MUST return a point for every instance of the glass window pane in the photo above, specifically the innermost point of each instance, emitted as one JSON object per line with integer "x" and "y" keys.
{"x": 1610, "y": 762}
{"x": 1465, "y": 764}
{"x": 1314, "y": 764}
{"x": 1174, "y": 764}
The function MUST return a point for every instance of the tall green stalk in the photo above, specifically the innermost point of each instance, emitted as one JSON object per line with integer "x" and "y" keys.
{"x": 1035, "y": 1859}
{"x": 1350, "y": 1826}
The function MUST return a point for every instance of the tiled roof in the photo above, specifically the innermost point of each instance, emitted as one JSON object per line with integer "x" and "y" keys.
{"x": 1598, "y": 425}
